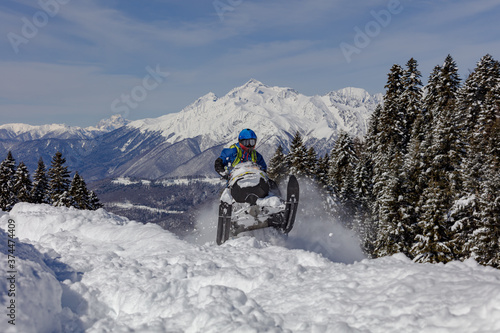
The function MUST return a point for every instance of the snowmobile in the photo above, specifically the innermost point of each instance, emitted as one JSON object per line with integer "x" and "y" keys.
{"x": 252, "y": 201}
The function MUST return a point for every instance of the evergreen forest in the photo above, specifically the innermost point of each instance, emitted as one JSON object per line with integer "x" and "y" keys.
{"x": 425, "y": 179}
{"x": 50, "y": 187}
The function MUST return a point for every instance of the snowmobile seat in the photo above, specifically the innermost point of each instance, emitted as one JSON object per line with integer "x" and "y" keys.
{"x": 250, "y": 194}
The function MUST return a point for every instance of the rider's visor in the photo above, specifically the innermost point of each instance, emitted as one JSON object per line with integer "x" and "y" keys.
{"x": 248, "y": 142}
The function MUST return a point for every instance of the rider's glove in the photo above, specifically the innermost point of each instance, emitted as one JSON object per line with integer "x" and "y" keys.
{"x": 225, "y": 175}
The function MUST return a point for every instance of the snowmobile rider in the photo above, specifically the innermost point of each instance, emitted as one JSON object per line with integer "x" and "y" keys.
{"x": 242, "y": 151}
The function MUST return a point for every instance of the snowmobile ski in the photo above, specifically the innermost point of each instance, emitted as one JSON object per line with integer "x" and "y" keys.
{"x": 292, "y": 202}
{"x": 224, "y": 225}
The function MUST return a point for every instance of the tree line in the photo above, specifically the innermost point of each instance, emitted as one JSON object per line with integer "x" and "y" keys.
{"x": 425, "y": 180}
{"x": 50, "y": 187}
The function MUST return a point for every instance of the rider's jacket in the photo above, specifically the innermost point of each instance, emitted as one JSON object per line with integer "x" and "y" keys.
{"x": 233, "y": 155}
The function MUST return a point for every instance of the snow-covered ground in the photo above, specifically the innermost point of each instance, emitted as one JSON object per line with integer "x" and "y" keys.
{"x": 94, "y": 271}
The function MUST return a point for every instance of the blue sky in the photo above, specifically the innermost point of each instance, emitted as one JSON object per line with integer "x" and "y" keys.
{"x": 76, "y": 62}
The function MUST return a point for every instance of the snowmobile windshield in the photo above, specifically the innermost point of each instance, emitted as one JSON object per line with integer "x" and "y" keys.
{"x": 247, "y": 170}
{"x": 249, "y": 143}
{"x": 246, "y": 166}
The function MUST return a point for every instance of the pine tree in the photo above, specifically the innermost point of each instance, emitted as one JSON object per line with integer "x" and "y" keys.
{"x": 40, "y": 191}
{"x": 412, "y": 182}
{"x": 343, "y": 162}
{"x": 485, "y": 144}
{"x": 486, "y": 237}
{"x": 363, "y": 193}
{"x": 322, "y": 170}
{"x": 435, "y": 244}
{"x": 296, "y": 158}
{"x": 386, "y": 142}
{"x": 7, "y": 193}
{"x": 410, "y": 104}
{"x": 94, "y": 201}
{"x": 392, "y": 126}
{"x": 59, "y": 181}
{"x": 80, "y": 196}
{"x": 410, "y": 117}
{"x": 473, "y": 93}
{"x": 476, "y": 142}
{"x": 277, "y": 165}
{"x": 431, "y": 168}
{"x": 311, "y": 161}
{"x": 386, "y": 135}
{"x": 22, "y": 184}
{"x": 392, "y": 236}
{"x": 373, "y": 157}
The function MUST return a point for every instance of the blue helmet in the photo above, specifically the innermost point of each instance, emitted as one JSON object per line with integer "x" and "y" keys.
{"x": 247, "y": 134}
{"x": 247, "y": 138}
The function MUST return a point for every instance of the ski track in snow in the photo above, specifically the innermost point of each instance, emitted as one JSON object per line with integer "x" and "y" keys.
{"x": 94, "y": 271}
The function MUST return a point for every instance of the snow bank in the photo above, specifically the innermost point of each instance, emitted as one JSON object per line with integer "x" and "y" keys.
{"x": 97, "y": 272}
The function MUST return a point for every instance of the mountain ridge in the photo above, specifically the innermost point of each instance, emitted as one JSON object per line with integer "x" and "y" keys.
{"x": 22, "y": 131}
{"x": 254, "y": 102}
{"x": 187, "y": 142}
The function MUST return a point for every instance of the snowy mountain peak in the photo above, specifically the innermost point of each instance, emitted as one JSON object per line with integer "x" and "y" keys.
{"x": 356, "y": 93}
{"x": 276, "y": 113}
{"x": 254, "y": 83}
{"x": 354, "y": 96}
{"x": 210, "y": 97}
{"x": 256, "y": 88}
{"x": 112, "y": 123}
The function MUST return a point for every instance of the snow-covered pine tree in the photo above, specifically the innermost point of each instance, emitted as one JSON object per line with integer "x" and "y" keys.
{"x": 40, "y": 191}
{"x": 363, "y": 192}
{"x": 410, "y": 103}
{"x": 433, "y": 158}
{"x": 296, "y": 158}
{"x": 442, "y": 92}
{"x": 486, "y": 237}
{"x": 7, "y": 172}
{"x": 391, "y": 128}
{"x": 387, "y": 142}
{"x": 322, "y": 170}
{"x": 22, "y": 183}
{"x": 478, "y": 114}
{"x": 277, "y": 168}
{"x": 385, "y": 146}
{"x": 311, "y": 161}
{"x": 94, "y": 201}
{"x": 343, "y": 162}
{"x": 392, "y": 235}
{"x": 409, "y": 120}
{"x": 80, "y": 196}
{"x": 475, "y": 119}
{"x": 435, "y": 243}
{"x": 473, "y": 94}
{"x": 373, "y": 153}
{"x": 412, "y": 183}
{"x": 59, "y": 181}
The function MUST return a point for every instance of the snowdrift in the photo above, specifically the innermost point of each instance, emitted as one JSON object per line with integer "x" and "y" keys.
{"x": 97, "y": 272}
